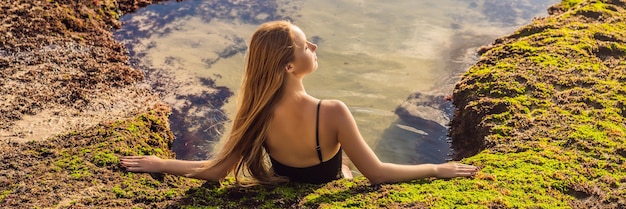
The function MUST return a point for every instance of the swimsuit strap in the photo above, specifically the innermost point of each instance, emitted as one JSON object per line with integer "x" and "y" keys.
{"x": 317, "y": 139}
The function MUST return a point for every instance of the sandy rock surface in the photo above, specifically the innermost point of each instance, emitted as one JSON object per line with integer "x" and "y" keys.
{"x": 61, "y": 69}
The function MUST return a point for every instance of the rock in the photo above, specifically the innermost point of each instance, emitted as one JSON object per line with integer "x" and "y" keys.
{"x": 424, "y": 110}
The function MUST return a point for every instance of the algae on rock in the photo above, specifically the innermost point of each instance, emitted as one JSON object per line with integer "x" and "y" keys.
{"x": 82, "y": 168}
{"x": 543, "y": 110}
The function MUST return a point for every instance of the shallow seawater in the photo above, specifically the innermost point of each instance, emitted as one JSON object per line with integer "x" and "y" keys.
{"x": 372, "y": 55}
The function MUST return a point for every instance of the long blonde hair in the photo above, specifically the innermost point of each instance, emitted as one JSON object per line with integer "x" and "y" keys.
{"x": 270, "y": 50}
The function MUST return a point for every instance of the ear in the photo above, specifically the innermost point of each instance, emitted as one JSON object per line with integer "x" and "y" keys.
{"x": 289, "y": 68}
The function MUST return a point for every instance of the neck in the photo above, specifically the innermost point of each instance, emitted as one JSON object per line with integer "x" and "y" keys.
{"x": 294, "y": 88}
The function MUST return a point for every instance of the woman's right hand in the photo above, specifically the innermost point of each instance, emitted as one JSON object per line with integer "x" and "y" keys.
{"x": 148, "y": 164}
{"x": 451, "y": 170}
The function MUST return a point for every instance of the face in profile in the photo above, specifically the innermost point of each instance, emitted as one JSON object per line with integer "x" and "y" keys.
{"x": 305, "y": 60}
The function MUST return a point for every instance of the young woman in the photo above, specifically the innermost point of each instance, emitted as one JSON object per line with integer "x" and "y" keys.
{"x": 303, "y": 136}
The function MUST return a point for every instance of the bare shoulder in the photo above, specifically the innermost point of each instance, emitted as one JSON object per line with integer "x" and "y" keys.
{"x": 335, "y": 106}
{"x": 335, "y": 109}
{"x": 337, "y": 112}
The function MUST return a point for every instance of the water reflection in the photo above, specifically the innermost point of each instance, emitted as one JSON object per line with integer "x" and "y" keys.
{"x": 177, "y": 43}
{"x": 372, "y": 55}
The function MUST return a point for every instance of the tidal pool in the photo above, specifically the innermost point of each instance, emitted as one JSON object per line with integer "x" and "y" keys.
{"x": 372, "y": 55}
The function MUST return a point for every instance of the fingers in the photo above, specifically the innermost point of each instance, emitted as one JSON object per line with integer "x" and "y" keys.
{"x": 132, "y": 163}
{"x": 465, "y": 170}
{"x": 467, "y": 167}
{"x": 129, "y": 163}
{"x": 129, "y": 160}
{"x": 133, "y": 157}
{"x": 132, "y": 169}
{"x": 147, "y": 163}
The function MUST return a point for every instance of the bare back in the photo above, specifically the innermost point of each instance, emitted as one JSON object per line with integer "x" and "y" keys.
{"x": 291, "y": 137}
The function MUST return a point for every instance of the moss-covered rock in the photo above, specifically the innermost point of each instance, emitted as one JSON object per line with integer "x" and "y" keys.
{"x": 61, "y": 67}
{"x": 543, "y": 110}
{"x": 82, "y": 168}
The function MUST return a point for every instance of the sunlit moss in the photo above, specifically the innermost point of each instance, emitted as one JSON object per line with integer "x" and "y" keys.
{"x": 4, "y": 194}
{"x": 568, "y": 4}
{"x": 572, "y": 92}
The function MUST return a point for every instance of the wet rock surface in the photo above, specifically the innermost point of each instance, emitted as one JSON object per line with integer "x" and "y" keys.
{"x": 62, "y": 70}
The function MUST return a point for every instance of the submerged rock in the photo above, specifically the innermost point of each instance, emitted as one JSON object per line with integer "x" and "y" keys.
{"x": 421, "y": 133}
{"x": 424, "y": 110}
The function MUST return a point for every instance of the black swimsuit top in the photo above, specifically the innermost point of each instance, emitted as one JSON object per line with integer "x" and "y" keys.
{"x": 317, "y": 174}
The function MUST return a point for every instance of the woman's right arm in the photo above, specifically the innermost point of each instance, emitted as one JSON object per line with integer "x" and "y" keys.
{"x": 154, "y": 164}
{"x": 368, "y": 163}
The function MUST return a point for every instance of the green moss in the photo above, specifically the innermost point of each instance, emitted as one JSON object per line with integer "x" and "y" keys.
{"x": 568, "y": 4}
{"x": 4, "y": 194}
{"x": 104, "y": 159}
{"x": 549, "y": 60}
{"x": 521, "y": 46}
{"x": 132, "y": 128}
{"x": 68, "y": 165}
{"x": 73, "y": 164}
{"x": 119, "y": 192}
{"x": 563, "y": 124}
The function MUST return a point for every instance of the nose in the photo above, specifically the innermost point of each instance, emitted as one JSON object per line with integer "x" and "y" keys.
{"x": 313, "y": 46}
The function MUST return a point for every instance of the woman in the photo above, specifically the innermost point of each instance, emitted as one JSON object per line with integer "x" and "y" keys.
{"x": 303, "y": 136}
